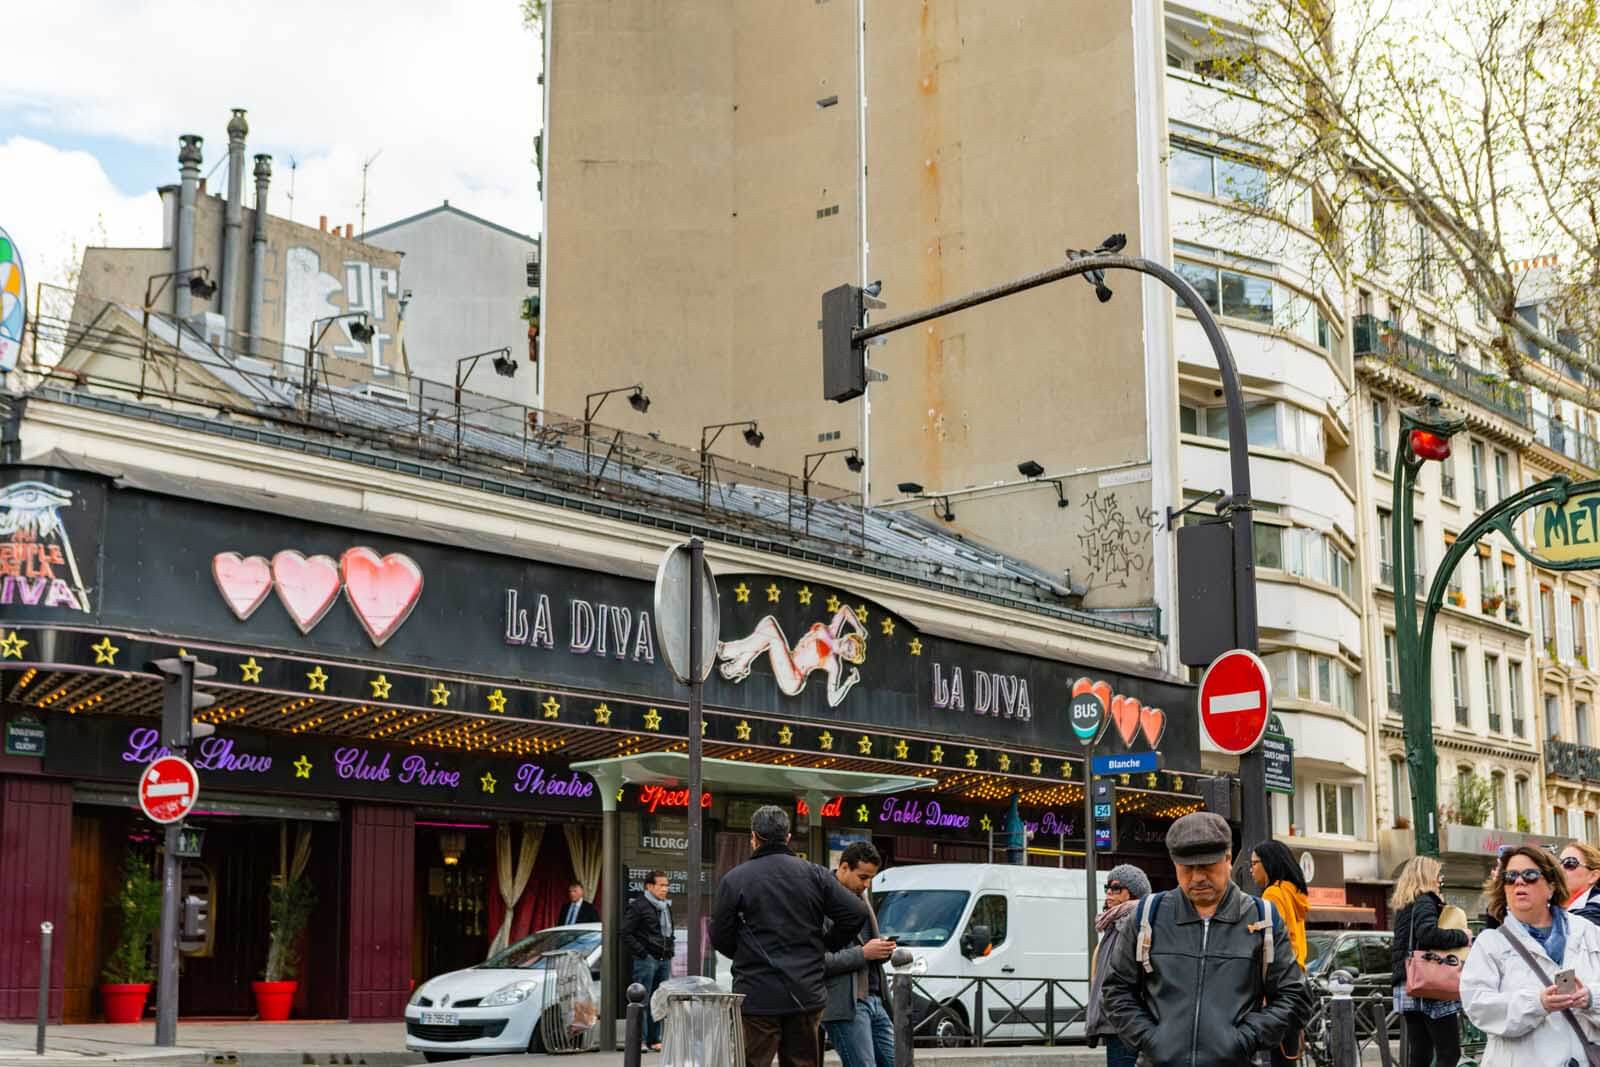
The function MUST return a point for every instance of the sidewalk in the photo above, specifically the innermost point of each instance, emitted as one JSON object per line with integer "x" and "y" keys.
{"x": 256, "y": 1044}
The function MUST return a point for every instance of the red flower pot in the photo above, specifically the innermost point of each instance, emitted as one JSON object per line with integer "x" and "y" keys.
{"x": 273, "y": 1000}
{"x": 124, "y": 1003}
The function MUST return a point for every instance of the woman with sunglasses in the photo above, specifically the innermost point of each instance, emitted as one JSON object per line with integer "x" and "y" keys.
{"x": 1580, "y": 862}
{"x": 1516, "y": 1000}
{"x": 1124, "y": 886}
{"x": 1432, "y": 1037}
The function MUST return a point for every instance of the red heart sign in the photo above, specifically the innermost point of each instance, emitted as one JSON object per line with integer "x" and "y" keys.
{"x": 381, "y": 591}
{"x": 306, "y": 586}
{"x": 1153, "y": 721}
{"x": 243, "y": 581}
{"x": 1125, "y": 717}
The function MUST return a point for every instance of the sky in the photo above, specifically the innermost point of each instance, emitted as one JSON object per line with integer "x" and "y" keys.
{"x": 94, "y": 94}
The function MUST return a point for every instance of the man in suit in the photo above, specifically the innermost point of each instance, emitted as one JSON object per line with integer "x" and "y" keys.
{"x": 577, "y": 910}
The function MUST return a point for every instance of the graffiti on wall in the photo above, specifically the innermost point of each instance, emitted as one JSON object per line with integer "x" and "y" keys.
{"x": 311, "y": 293}
{"x": 1115, "y": 540}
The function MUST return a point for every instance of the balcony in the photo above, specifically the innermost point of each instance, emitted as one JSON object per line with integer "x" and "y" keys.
{"x": 1463, "y": 715}
{"x": 1519, "y": 726}
{"x": 1385, "y": 573}
{"x": 1394, "y": 700}
{"x": 1376, "y": 337}
{"x": 1480, "y": 497}
{"x": 1574, "y": 444}
{"x": 1496, "y": 724}
{"x": 1563, "y": 759}
{"x": 1447, "y": 486}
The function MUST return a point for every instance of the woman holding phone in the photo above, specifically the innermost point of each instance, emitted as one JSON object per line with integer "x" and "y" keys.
{"x": 1528, "y": 983}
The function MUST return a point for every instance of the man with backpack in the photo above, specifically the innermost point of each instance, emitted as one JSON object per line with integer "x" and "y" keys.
{"x": 1205, "y": 975}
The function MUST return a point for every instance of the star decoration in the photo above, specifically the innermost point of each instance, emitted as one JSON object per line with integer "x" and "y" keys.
{"x": 864, "y": 745}
{"x": 703, "y": 726}
{"x": 1124, "y": 778}
{"x": 862, "y": 814}
{"x": 602, "y": 714}
{"x": 861, "y": 612}
{"x": 552, "y": 707}
{"x": 886, "y": 624}
{"x": 985, "y": 824}
{"x": 441, "y": 695}
{"x": 804, "y": 595}
{"x": 1066, "y": 769}
{"x": 833, "y": 604}
{"x": 1151, "y": 780}
{"x": 1035, "y": 765}
{"x": 11, "y": 646}
{"x": 251, "y": 670}
{"x": 380, "y": 687}
{"x": 742, "y": 592}
{"x": 825, "y": 741}
{"x": 487, "y": 782}
{"x": 916, "y": 646}
{"x": 619, "y": 794}
{"x": 773, "y": 593}
{"x": 302, "y": 767}
{"x": 785, "y": 735}
{"x": 936, "y": 753}
{"x": 741, "y": 730}
{"x": 1005, "y": 762}
{"x": 901, "y": 749}
{"x": 497, "y": 702}
{"x": 652, "y": 719}
{"x": 972, "y": 758}
{"x": 1177, "y": 783}
{"x": 105, "y": 652}
{"x": 317, "y": 679}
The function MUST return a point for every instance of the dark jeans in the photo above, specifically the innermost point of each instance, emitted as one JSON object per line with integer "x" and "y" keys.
{"x": 794, "y": 1039}
{"x": 1119, "y": 1054}
{"x": 866, "y": 1040}
{"x": 1432, "y": 1041}
{"x": 651, "y": 973}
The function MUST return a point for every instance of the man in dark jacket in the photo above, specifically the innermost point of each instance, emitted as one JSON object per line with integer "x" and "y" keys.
{"x": 769, "y": 921}
{"x": 1197, "y": 995}
{"x": 856, "y": 1016}
{"x": 577, "y": 910}
{"x": 647, "y": 931}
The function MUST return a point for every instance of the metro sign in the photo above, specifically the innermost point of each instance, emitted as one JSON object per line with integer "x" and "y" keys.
{"x": 1235, "y": 701}
{"x": 168, "y": 789}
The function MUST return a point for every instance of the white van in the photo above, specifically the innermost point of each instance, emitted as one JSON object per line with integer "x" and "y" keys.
{"x": 1037, "y": 928}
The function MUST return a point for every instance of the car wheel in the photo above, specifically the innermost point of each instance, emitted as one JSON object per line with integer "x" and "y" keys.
{"x": 950, "y": 1033}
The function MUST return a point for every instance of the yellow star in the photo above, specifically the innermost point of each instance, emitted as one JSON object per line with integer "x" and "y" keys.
{"x": 972, "y": 758}
{"x": 862, "y": 814}
{"x": 652, "y": 719}
{"x": 11, "y": 646}
{"x": 916, "y": 646}
{"x": 804, "y": 595}
{"x": 1035, "y": 765}
{"x": 497, "y": 702}
{"x": 1151, "y": 780}
{"x": 861, "y": 612}
{"x": 742, "y": 592}
{"x": 380, "y": 687}
{"x": 552, "y": 707}
{"x": 317, "y": 679}
{"x": 105, "y": 652}
{"x": 619, "y": 794}
{"x": 1066, "y": 769}
{"x": 785, "y": 735}
{"x": 602, "y": 714}
{"x": 1123, "y": 778}
{"x": 703, "y": 725}
{"x": 487, "y": 782}
{"x": 251, "y": 670}
{"x": 741, "y": 730}
{"x": 864, "y": 746}
{"x": 1177, "y": 783}
{"x": 1005, "y": 762}
{"x": 936, "y": 753}
{"x": 825, "y": 741}
{"x": 773, "y": 593}
{"x": 901, "y": 749}
{"x": 985, "y": 824}
{"x": 886, "y": 624}
{"x": 302, "y": 767}
{"x": 441, "y": 695}
{"x": 833, "y": 604}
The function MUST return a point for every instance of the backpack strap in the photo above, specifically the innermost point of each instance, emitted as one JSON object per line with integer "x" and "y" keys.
{"x": 1265, "y": 925}
{"x": 1147, "y": 914}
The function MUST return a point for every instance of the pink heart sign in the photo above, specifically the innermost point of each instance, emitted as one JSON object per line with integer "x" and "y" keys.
{"x": 1153, "y": 722}
{"x": 1125, "y": 717}
{"x": 381, "y": 590}
{"x": 307, "y": 586}
{"x": 243, "y": 581}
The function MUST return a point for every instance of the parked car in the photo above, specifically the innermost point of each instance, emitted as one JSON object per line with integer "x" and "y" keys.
{"x": 1365, "y": 955}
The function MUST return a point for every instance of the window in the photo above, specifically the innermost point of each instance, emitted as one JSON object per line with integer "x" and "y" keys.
{"x": 1391, "y": 669}
{"x": 1514, "y": 686}
{"x": 1547, "y": 620}
{"x": 1202, "y": 172}
{"x": 1267, "y": 424}
{"x": 1491, "y": 690}
{"x": 1458, "y": 682}
{"x": 1204, "y": 280}
{"x": 1375, "y": 233}
{"x": 1552, "y": 716}
{"x": 1580, "y": 643}
{"x": 1485, "y": 577}
{"x": 1301, "y": 675}
{"x": 1269, "y": 545}
{"x": 1591, "y": 826}
{"x": 1497, "y": 786}
{"x": 1580, "y": 717}
{"x": 1190, "y": 170}
{"x": 1425, "y": 259}
{"x": 1502, "y": 474}
{"x": 1524, "y": 818}
{"x": 1558, "y": 819}
{"x": 1237, "y": 180}
{"x": 1477, "y": 473}
{"x": 1419, "y": 558}
{"x": 1336, "y": 809}
{"x": 1508, "y": 586}
{"x": 1245, "y": 296}
{"x": 1399, "y": 798}
{"x": 1385, "y": 555}
{"x": 990, "y": 911}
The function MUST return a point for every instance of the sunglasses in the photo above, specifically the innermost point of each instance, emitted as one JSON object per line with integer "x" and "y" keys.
{"x": 1571, "y": 863}
{"x": 1116, "y": 887}
{"x": 1527, "y": 877}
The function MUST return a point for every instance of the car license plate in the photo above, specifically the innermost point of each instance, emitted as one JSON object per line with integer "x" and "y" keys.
{"x": 440, "y": 1018}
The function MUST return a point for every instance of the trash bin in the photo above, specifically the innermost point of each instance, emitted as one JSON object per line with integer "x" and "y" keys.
{"x": 700, "y": 1024}
{"x": 567, "y": 1021}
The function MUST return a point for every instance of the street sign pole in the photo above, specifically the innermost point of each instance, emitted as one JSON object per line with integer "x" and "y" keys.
{"x": 696, "y": 720}
{"x": 167, "y": 991}
{"x": 1088, "y": 713}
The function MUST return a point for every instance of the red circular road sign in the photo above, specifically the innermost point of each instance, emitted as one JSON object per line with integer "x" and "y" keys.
{"x": 168, "y": 789}
{"x": 1235, "y": 701}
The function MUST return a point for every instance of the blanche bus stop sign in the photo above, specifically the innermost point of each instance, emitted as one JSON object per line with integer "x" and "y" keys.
{"x": 1235, "y": 700}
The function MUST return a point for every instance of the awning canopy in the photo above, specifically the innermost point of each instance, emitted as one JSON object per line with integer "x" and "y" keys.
{"x": 672, "y": 768}
{"x": 1344, "y": 914}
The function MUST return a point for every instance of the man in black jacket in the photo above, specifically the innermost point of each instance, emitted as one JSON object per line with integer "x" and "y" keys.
{"x": 577, "y": 910}
{"x": 769, "y": 921}
{"x": 647, "y": 931}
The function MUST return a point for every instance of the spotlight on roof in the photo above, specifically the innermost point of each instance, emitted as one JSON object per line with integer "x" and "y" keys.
{"x": 948, "y": 515}
{"x": 1029, "y": 469}
{"x": 200, "y": 287}
{"x": 639, "y": 401}
{"x": 855, "y": 463}
{"x": 505, "y": 366}
{"x": 753, "y": 437}
{"x": 909, "y": 488}
{"x": 363, "y": 332}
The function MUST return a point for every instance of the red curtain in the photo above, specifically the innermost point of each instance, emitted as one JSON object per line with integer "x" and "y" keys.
{"x": 541, "y": 902}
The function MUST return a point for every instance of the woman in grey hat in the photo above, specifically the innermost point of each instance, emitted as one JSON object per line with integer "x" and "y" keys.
{"x": 1124, "y": 886}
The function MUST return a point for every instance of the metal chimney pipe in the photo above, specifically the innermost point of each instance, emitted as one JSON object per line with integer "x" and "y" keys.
{"x": 258, "y": 253}
{"x": 188, "y": 188}
{"x": 233, "y": 220}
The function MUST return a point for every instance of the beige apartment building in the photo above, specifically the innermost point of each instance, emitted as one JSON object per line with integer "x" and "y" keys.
{"x": 712, "y": 167}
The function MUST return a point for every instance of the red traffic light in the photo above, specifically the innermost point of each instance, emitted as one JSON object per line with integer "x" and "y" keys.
{"x": 1428, "y": 445}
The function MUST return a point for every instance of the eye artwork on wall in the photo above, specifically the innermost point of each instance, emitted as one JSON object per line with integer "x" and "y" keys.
{"x": 826, "y": 647}
{"x": 38, "y": 567}
{"x": 382, "y": 591}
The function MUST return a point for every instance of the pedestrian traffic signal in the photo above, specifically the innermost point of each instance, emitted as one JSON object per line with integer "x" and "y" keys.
{"x": 1425, "y": 444}
{"x": 844, "y": 359}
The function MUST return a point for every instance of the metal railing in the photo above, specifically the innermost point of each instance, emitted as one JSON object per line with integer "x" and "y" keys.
{"x": 1567, "y": 759}
{"x": 1029, "y": 1008}
{"x": 1379, "y": 338}
{"x": 1571, "y": 442}
{"x": 1380, "y": 459}
{"x": 1447, "y": 486}
{"x": 1369, "y": 1009}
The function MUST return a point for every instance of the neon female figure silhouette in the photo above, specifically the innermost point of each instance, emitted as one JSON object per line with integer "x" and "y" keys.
{"x": 823, "y": 647}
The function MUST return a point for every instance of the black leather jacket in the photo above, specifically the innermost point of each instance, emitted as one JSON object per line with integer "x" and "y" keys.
{"x": 1203, "y": 1002}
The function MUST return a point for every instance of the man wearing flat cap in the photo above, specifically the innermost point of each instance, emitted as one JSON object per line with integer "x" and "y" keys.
{"x": 1204, "y": 976}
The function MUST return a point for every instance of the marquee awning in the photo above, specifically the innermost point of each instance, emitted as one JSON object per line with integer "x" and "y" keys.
{"x": 672, "y": 768}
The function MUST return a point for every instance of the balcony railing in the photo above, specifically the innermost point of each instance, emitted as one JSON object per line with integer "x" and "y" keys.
{"x": 1385, "y": 573}
{"x": 1519, "y": 726}
{"x": 1380, "y": 460}
{"x": 1394, "y": 700}
{"x": 1447, "y": 486}
{"x": 1576, "y": 445}
{"x": 1496, "y": 724}
{"x": 1463, "y": 714}
{"x": 1564, "y": 759}
{"x": 1379, "y": 338}
{"x": 1480, "y": 497}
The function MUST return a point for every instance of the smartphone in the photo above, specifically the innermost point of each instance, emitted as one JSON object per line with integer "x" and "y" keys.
{"x": 1566, "y": 983}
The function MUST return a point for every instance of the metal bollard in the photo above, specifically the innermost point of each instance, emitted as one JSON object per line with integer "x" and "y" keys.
{"x": 1342, "y": 1048}
{"x": 633, "y": 1035}
{"x": 900, "y": 997}
{"x": 1380, "y": 1028}
{"x": 45, "y": 930}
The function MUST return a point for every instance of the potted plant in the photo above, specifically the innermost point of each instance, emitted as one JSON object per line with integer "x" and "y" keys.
{"x": 289, "y": 904}
{"x": 125, "y": 982}
{"x": 1513, "y": 610}
{"x": 1492, "y": 599}
{"x": 1458, "y": 598}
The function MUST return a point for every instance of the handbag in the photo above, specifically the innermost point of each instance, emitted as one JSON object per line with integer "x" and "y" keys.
{"x": 1591, "y": 1051}
{"x": 1432, "y": 975}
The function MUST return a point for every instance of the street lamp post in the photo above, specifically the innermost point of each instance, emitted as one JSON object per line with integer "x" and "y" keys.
{"x": 638, "y": 399}
{"x": 199, "y": 284}
{"x": 708, "y": 437}
{"x": 361, "y": 330}
{"x": 813, "y": 460}
{"x": 504, "y": 366}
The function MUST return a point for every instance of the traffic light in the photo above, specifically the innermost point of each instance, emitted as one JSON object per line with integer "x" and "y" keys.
{"x": 844, "y": 360}
{"x": 179, "y": 701}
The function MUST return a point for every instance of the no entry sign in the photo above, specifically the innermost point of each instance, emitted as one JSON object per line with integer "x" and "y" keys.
{"x": 168, "y": 789}
{"x": 1235, "y": 700}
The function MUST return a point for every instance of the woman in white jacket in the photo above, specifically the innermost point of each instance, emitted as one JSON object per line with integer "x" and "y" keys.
{"x": 1503, "y": 996}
